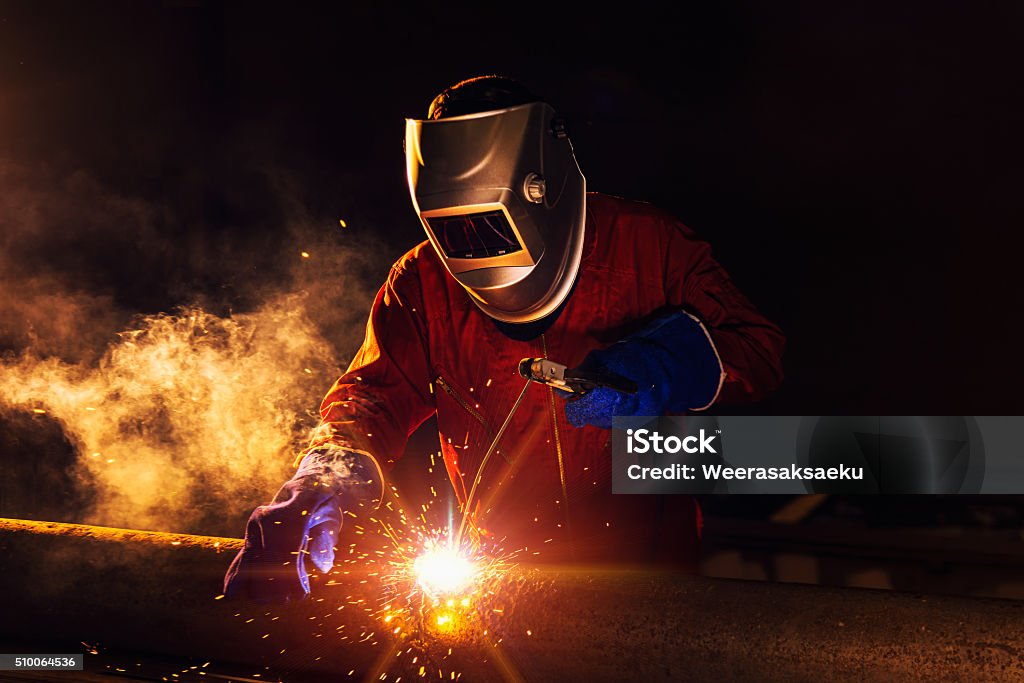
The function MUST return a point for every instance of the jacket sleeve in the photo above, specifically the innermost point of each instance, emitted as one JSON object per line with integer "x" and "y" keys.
{"x": 385, "y": 393}
{"x": 748, "y": 345}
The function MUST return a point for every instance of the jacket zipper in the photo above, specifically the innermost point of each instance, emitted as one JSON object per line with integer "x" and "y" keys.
{"x": 466, "y": 405}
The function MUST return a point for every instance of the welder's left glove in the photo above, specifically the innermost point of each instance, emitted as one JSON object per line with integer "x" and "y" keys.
{"x": 302, "y": 524}
{"x": 673, "y": 362}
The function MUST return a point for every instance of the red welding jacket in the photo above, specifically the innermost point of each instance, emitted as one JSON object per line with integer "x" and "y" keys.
{"x": 547, "y": 489}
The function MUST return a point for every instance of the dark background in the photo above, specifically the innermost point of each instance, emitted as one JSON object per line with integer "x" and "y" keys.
{"x": 856, "y": 166}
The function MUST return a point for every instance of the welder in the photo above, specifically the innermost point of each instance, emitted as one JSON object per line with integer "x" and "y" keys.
{"x": 520, "y": 262}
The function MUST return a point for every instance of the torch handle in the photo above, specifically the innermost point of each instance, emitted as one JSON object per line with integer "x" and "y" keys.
{"x": 588, "y": 381}
{"x": 575, "y": 380}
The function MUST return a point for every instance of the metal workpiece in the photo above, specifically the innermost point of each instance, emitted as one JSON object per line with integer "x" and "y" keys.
{"x": 128, "y": 593}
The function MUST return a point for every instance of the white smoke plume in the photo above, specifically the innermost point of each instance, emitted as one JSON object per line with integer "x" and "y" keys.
{"x": 184, "y": 420}
{"x": 186, "y": 414}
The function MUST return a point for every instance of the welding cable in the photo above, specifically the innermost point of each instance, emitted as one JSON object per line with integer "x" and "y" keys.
{"x": 483, "y": 463}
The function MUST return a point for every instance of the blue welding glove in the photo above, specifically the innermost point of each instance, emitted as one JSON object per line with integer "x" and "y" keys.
{"x": 673, "y": 362}
{"x": 302, "y": 523}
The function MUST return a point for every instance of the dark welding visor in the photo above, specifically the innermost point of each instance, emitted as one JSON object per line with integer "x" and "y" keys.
{"x": 503, "y": 204}
{"x": 475, "y": 235}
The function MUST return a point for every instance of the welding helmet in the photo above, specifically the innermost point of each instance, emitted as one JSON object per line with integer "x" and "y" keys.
{"x": 503, "y": 202}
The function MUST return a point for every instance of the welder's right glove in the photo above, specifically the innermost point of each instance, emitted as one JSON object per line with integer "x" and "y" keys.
{"x": 673, "y": 362}
{"x": 302, "y": 523}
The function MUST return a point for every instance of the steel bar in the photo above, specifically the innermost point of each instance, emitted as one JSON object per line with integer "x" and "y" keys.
{"x": 133, "y": 593}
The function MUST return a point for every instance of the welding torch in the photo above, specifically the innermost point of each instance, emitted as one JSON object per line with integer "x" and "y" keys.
{"x": 576, "y": 381}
